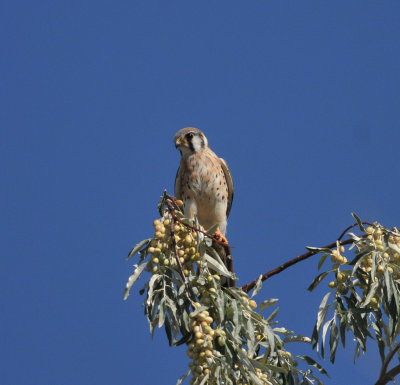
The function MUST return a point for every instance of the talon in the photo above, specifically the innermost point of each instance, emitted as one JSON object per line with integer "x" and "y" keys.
{"x": 220, "y": 238}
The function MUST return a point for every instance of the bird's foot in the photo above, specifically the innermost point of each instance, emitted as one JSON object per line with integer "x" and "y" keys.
{"x": 219, "y": 237}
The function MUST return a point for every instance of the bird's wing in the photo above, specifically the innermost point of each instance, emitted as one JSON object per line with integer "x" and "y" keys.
{"x": 178, "y": 194}
{"x": 229, "y": 182}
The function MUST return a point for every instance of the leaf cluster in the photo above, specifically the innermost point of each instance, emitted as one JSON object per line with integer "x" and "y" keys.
{"x": 228, "y": 341}
{"x": 364, "y": 296}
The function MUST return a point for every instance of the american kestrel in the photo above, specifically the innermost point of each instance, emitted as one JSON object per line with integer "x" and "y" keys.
{"x": 203, "y": 181}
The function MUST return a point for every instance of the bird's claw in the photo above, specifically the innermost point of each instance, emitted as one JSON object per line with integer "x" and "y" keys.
{"x": 220, "y": 238}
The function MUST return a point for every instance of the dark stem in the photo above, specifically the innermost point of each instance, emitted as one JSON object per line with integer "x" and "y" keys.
{"x": 178, "y": 261}
{"x": 389, "y": 376}
{"x": 384, "y": 375}
{"x": 246, "y": 288}
{"x": 350, "y": 227}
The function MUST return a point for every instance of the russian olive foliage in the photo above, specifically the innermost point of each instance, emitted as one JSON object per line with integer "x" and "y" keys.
{"x": 228, "y": 340}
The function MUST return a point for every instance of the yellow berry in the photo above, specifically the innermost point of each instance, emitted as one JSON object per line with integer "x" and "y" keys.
{"x": 332, "y": 284}
{"x": 188, "y": 240}
{"x": 198, "y": 335}
{"x": 341, "y": 277}
{"x": 369, "y": 230}
{"x": 374, "y": 302}
{"x": 252, "y": 304}
{"x": 221, "y": 341}
{"x": 179, "y": 203}
{"x": 335, "y": 258}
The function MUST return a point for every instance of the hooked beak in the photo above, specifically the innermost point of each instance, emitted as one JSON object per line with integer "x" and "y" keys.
{"x": 178, "y": 142}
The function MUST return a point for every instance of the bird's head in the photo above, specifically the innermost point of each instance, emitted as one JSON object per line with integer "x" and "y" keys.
{"x": 190, "y": 140}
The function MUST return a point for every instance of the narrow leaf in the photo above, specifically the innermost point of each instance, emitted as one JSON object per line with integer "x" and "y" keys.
{"x": 333, "y": 342}
{"x": 139, "y": 246}
{"x": 317, "y": 280}
{"x": 212, "y": 229}
{"x": 322, "y": 310}
{"x": 161, "y": 312}
{"x": 322, "y": 260}
{"x": 370, "y": 294}
{"x": 257, "y": 286}
{"x": 323, "y": 337}
{"x": 181, "y": 379}
{"x": 216, "y": 266}
{"x": 360, "y": 225}
{"x": 268, "y": 303}
{"x": 133, "y": 278}
{"x": 342, "y": 328}
{"x": 272, "y": 315}
{"x": 313, "y": 363}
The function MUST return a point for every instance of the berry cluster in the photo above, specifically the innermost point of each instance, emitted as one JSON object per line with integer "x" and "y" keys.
{"x": 162, "y": 246}
{"x": 200, "y": 350}
{"x": 380, "y": 252}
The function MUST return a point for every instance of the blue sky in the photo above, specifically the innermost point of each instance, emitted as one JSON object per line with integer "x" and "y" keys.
{"x": 301, "y": 99}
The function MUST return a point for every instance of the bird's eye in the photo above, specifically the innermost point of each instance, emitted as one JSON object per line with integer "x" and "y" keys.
{"x": 189, "y": 135}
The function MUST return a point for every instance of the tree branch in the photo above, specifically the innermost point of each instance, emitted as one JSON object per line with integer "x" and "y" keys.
{"x": 246, "y": 288}
{"x": 384, "y": 376}
{"x": 389, "y": 376}
{"x": 178, "y": 261}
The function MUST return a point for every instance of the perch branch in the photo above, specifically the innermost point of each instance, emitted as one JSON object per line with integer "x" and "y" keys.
{"x": 246, "y": 288}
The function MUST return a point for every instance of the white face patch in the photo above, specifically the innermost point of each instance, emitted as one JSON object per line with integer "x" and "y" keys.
{"x": 199, "y": 143}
